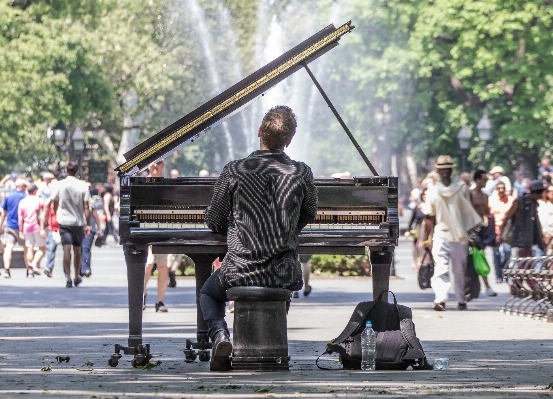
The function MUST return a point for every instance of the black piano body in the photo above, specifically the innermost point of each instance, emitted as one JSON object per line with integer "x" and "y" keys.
{"x": 354, "y": 216}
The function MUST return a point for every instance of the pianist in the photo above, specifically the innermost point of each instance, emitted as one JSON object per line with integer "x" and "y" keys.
{"x": 261, "y": 203}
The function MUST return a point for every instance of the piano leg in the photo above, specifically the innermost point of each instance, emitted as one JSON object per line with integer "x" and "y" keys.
{"x": 135, "y": 258}
{"x": 381, "y": 263}
{"x": 202, "y": 265}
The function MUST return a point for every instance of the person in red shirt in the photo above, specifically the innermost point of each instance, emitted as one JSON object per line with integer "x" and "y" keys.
{"x": 500, "y": 203}
{"x": 50, "y": 228}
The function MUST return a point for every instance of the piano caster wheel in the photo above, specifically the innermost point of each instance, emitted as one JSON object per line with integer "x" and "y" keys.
{"x": 114, "y": 359}
{"x": 204, "y": 356}
{"x": 189, "y": 355}
{"x": 141, "y": 360}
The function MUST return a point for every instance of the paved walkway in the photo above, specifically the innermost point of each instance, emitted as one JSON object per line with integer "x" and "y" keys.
{"x": 491, "y": 354}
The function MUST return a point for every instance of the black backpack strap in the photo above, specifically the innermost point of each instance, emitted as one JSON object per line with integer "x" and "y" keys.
{"x": 360, "y": 313}
{"x": 317, "y": 361}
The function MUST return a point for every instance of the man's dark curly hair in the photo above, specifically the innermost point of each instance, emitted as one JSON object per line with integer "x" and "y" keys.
{"x": 278, "y": 127}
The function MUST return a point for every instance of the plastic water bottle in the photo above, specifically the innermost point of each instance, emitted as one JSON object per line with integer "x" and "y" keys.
{"x": 368, "y": 348}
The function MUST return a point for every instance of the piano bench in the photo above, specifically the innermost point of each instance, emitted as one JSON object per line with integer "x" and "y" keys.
{"x": 260, "y": 337}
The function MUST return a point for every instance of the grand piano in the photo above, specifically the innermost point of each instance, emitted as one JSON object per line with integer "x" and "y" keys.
{"x": 354, "y": 215}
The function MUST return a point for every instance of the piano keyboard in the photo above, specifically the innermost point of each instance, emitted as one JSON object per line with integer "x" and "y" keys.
{"x": 313, "y": 226}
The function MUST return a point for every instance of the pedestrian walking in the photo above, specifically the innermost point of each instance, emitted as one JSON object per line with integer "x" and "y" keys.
{"x": 70, "y": 197}
{"x": 545, "y": 168}
{"x": 545, "y": 213}
{"x": 486, "y": 235}
{"x": 29, "y": 209}
{"x": 8, "y": 182}
{"x": 162, "y": 261}
{"x": 450, "y": 213}
{"x": 414, "y": 230}
{"x": 95, "y": 229}
{"x": 524, "y": 222}
{"x": 498, "y": 174}
{"x": 109, "y": 210}
{"x": 45, "y": 189}
{"x": 306, "y": 272}
{"x": 500, "y": 203}
{"x": 10, "y": 216}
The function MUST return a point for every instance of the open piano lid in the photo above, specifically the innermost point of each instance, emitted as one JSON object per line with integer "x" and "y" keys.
{"x": 233, "y": 99}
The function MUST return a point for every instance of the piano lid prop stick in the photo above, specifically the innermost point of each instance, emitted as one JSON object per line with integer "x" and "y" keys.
{"x": 355, "y": 143}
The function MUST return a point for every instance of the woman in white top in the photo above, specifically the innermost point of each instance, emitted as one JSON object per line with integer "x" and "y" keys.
{"x": 545, "y": 214}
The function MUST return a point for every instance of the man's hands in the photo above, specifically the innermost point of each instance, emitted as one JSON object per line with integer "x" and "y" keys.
{"x": 87, "y": 230}
{"x": 21, "y": 235}
{"x": 43, "y": 233}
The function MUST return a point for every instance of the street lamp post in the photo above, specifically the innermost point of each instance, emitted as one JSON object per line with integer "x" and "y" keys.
{"x": 77, "y": 144}
{"x": 464, "y": 144}
{"x": 484, "y": 128}
{"x": 58, "y": 136}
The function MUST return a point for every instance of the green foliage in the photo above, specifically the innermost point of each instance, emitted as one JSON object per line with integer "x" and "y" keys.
{"x": 341, "y": 265}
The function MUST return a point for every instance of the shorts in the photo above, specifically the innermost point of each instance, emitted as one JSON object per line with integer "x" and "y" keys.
{"x": 34, "y": 239}
{"x": 12, "y": 236}
{"x": 72, "y": 235}
{"x": 162, "y": 259}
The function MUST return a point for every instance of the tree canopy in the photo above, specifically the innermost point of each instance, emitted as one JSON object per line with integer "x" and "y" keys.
{"x": 406, "y": 80}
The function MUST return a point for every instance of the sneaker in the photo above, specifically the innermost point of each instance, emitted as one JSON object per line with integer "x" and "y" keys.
{"x": 48, "y": 272}
{"x": 30, "y": 272}
{"x": 499, "y": 281}
{"x": 7, "y": 273}
{"x": 172, "y": 279}
{"x": 490, "y": 292}
{"x": 36, "y": 270}
{"x": 462, "y": 306}
{"x": 77, "y": 281}
{"x": 295, "y": 294}
{"x": 69, "y": 283}
{"x": 87, "y": 274}
{"x": 307, "y": 290}
{"x": 144, "y": 304}
{"x": 220, "y": 352}
{"x": 439, "y": 307}
{"x": 160, "y": 307}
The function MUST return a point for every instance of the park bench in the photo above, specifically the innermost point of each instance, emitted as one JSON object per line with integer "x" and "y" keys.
{"x": 531, "y": 287}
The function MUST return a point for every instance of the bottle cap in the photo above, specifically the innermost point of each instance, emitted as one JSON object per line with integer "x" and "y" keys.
{"x": 369, "y": 323}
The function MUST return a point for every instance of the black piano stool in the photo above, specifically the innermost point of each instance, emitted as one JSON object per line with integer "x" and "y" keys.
{"x": 260, "y": 336}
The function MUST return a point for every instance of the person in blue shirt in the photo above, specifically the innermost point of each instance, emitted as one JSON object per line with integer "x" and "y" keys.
{"x": 11, "y": 229}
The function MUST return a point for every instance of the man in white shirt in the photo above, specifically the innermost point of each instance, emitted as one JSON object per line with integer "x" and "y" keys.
{"x": 71, "y": 198}
{"x": 450, "y": 212}
{"x": 498, "y": 174}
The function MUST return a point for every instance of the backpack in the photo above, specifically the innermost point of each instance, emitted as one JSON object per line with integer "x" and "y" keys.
{"x": 96, "y": 202}
{"x": 397, "y": 346}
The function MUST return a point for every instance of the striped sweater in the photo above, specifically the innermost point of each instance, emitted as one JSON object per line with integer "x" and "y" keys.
{"x": 261, "y": 203}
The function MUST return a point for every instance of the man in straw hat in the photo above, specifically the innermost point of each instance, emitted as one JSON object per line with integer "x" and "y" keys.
{"x": 449, "y": 211}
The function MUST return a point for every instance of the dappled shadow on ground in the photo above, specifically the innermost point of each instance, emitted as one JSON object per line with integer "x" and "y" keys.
{"x": 478, "y": 368}
{"x": 184, "y": 297}
{"x": 85, "y": 297}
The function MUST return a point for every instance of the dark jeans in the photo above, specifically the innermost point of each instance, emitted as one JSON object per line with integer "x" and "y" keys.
{"x": 501, "y": 258}
{"x": 50, "y": 251}
{"x": 110, "y": 230}
{"x": 88, "y": 241}
{"x": 213, "y": 296}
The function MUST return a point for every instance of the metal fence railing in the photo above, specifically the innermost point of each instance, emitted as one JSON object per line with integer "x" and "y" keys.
{"x": 531, "y": 287}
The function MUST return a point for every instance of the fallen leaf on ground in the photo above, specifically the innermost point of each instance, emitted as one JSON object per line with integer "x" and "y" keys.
{"x": 62, "y": 359}
{"x": 149, "y": 366}
{"x": 46, "y": 368}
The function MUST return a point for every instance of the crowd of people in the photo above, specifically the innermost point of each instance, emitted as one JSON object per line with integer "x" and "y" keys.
{"x": 52, "y": 211}
{"x": 451, "y": 216}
